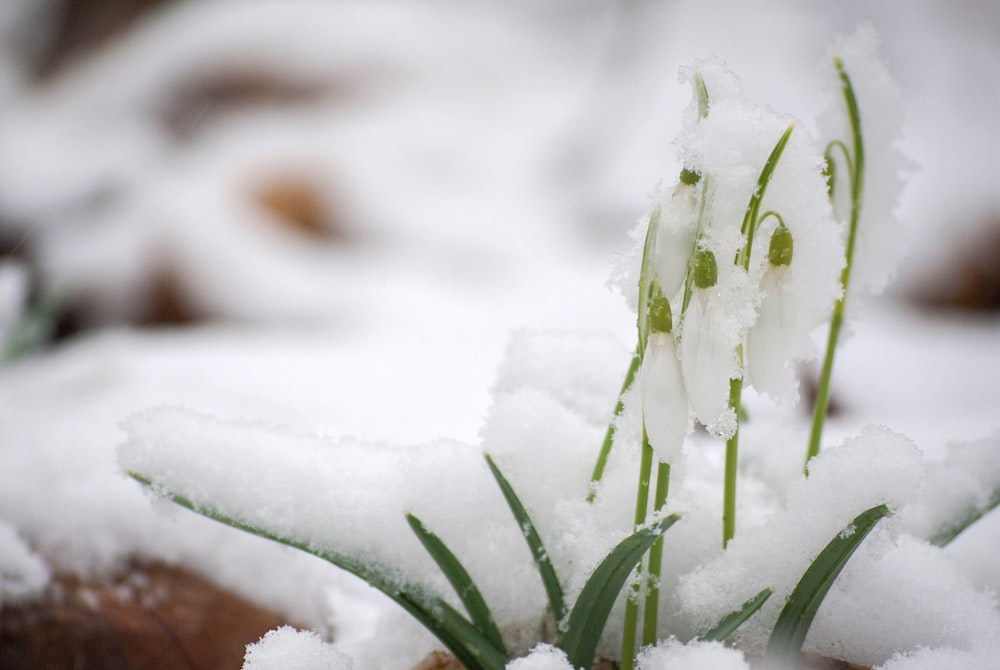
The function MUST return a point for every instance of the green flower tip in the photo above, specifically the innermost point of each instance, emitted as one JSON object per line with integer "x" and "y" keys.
{"x": 706, "y": 272}
{"x": 690, "y": 177}
{"x": 661, "y": 319}
{"x": 780, "y": 250}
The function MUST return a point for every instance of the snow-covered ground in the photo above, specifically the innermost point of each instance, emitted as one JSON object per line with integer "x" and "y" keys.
{"x": 483, "y": 164}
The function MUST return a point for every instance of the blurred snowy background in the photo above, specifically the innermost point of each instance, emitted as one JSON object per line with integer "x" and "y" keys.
{"x": 342, "y": 209}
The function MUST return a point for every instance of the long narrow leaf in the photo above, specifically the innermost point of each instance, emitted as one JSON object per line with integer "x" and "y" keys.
{"x": 728, "y": 624}
{"x": 954, "y": 526}
{"x": 457, "y": 634}
{"x": 545, "y": 568}
{"x": 460, "y": 580}
{"x": 796, "y": 617}
{"x": 592, "y": 607}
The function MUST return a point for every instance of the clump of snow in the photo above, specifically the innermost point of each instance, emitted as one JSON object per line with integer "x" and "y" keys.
{"x": 966, "y": 479}
{"x": 288, "y": 649}
{"x": 23, "y": 574}
{"x": 671, "y": 654}
{"x": 542, "y": 657}
{"x": 983, "y": 657}
{"x": 876, "y": 467}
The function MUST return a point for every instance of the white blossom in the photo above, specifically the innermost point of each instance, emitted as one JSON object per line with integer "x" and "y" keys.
{"x": 665, "y": 410}
{"x": 708, "y": 361}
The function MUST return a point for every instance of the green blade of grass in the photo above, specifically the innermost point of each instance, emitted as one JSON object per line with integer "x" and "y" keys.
{"x": 785, "y": 645}
{"x": 460, "y": 580}
{"x": 954, "y": 526}
{"x": 728, "y": 624}
{"x": 545, "y": 568}
{"x": 457, "y": 634}
{"x": 592, "y": 607}
{"x": 35, "y": 327}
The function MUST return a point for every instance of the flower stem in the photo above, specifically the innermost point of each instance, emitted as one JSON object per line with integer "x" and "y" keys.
{"x": 651, "y": 607}
{"x": 729, "y": 476}
{"x": 609, "y": 435}
{"x": 632, "y": 603}
{"x": 856, "y": 168}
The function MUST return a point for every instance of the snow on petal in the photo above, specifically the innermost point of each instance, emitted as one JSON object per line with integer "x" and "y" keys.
{"x": 664, "y": 399}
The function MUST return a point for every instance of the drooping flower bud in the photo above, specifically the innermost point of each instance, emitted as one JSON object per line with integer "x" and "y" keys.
{"x": 706, "y": 271}
{"x": 660, "y": 316}
{"x": 779, "y": 252}
{"x": 689, "y": 177}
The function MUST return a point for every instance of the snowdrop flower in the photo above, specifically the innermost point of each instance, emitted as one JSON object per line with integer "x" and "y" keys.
{"x": 707, "y": 352}
{"x": 768, "y": 340}
{"x": 661, "y": 386}
{"x": 678, "y": 226}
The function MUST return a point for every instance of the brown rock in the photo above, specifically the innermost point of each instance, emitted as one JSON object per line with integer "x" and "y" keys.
{"x": 152, "y": 617}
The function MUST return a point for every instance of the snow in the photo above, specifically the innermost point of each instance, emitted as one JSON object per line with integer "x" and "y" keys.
{"x": 483, "y": 163}
{"x": 23, "y": 574}
{"x": 288, "y": 649}
{"x": 693, "y": 656}
{"x": 542, "y": 657}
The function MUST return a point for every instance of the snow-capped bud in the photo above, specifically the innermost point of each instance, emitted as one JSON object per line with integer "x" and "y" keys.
{"x": 779, "y": 252}
{"x": 660, "y": 316}
{"x": 690, "y": 177}
{"x": 706, "y": 272}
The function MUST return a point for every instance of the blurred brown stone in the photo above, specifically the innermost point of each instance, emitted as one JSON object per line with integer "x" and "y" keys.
{"x": 299, "y": 206}
{"x": 193, "y": 103}
{"x": 83, "y": 25}
{"x": 154, "y": 616}
{"x": 969, "y": 278}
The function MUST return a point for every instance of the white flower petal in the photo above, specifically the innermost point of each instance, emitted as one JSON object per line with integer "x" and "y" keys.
{"x": 708, "y": 362}
{"x": 665, "y": 410}
{"x": 769, "y": 340}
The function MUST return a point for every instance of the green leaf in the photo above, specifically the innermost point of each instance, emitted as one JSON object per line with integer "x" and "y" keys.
{"x": 592, "y": 607}
{"x": 456, "y": 633}
{"x": 545, "y": 568}
{"x": 35, "y": 327}
{"x": 460, "y": 580}
{"x": 793, "y": 623}
{"x": 954, "y": 526}
{"x": 728, "y": 624}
